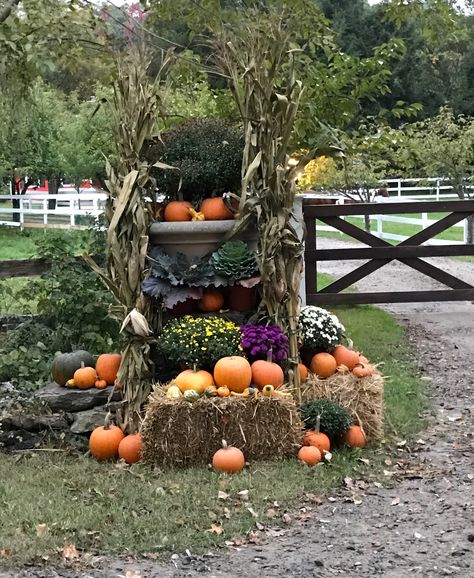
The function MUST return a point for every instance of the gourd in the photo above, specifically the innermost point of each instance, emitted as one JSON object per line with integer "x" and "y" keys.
{"x": 105, "y": 440}
{"x": 362, "y": 370}
{"x": 130, "y": 448}
{"x": 345, "y": 356}
{"x": 107, "y": 366}
{"x": 215, "y": 210}
{"x": 195, "y": 216}
{"x": 228, "y": 459}
{"x": 177, "y": 211}
{"x": 65, "y": 365}
{"x": 355, "y": 437}
{"x": 211, "y": 391}
{"x": 323, "y": 365}
{"x": 173, "y": 392}
{"x": 223, "y": 391}
{"x": 234, "y": 372}
{"x": 309, "y": 455}
{"x": 267, "y": 373}
{"x": 191, "y": 379}
{"x": 211, "y": 300}
{"x": 85, "y": 377}
{"x": 191, "y": 395}
{"x": 100, "y": 384}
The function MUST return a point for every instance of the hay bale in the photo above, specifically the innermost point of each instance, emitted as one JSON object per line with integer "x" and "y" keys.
{"x": 362, "y": 397}
{"x": 179, "y": 433}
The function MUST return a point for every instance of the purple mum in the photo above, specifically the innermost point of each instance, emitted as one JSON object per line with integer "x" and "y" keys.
{"x": 259, "y": 340}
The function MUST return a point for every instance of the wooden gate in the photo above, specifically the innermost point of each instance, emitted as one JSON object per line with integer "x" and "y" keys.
{"x": 379, "y": 252}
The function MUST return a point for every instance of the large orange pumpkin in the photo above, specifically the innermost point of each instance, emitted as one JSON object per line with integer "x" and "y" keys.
{"x": 215, "y": 210}
{"x": 234, "y": 372}
{"x": 309, "y": 455}
{"x": 130, "y": 448}
{"x": 355, "y": 437}
{"x": 345, "y": 356}
{"x": 178, "y": 211}
{"x": 323, "y": 364}
{"x": 194, "y": 380}
{"x": 211, "y": 300}
{"x": 303, "y": 372}
{"x": 228, "y": 459}
{"x": 85, "y": 377}
{"x": 107, "y": 366}
{"x": 267, "y": 373}
{"x": 318, "y": 440}
{"x": 104, "y": 442}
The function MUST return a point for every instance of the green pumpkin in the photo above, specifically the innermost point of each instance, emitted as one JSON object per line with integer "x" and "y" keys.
{"x": 66, "y": 364}
{"x": 191, "y": 395}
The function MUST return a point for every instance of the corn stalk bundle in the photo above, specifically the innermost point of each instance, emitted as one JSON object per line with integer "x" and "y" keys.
{"x": 135, "y": 107}
{"x": 258, "y": 59}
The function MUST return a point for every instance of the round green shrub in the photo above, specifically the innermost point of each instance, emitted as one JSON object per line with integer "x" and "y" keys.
{"x": 334, "y": 420}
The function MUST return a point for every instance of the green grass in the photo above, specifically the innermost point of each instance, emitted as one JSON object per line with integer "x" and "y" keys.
{"x": 18, "y": 244}
{"x": 104, "y": 508}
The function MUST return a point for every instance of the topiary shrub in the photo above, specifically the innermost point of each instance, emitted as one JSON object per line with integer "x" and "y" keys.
{"x": 208, "y": 153}
{"x": 333, "y": 419}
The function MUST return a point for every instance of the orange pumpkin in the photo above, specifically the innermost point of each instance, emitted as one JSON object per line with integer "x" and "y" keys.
{"x": 101, "y": 384}
{"x": 355, "y": 437}
{"x": 303, "y": 372}
{"x": 223, "y": 391}
{"x": 361, "y": 370}
{"x": 130, "y": 448}
{"x": 309, "y": 455}
{"x": 211, "y": 300}
{"x": 190, "y": 379}
{"x": 318, "y": 440}
{"x": 363, "y": 359}
{"x": 267, "y": 373}
{"x": 345, "y": 356}
{"x": 215, "y": 210}
{"x": 104, "y": 441}
{"x": 228, "y": 459}
{"x": 107, "y": 366}
{"x": 178, "y": 211}
{"x": 234, "y": 372}
{"x": 323, "y": 365}
{"x": 85, "y": 377}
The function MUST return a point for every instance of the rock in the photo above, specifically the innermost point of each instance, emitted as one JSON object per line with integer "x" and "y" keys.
{"x": 59, "y": 398}
{"x": 34, "y": 423}
{"x": 86, "y": 421}
{"x": 19, "y": 440}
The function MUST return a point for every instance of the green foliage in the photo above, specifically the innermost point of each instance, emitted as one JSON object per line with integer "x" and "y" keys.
{"x": 208, "y": 156}
{"x": 332, "y": 418}
{"x": 235, "y": 261}
{"x": 199, "y": 341}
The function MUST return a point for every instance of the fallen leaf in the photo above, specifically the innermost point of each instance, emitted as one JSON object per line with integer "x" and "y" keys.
{"x": 287, "y": 518}
{"x": 132, "y": 574}
{"x": 395, "y": 501}
{"x": 216, "y": 529}
{"x": 323, "y": 521}
{"x": 421, "y": 442}
{"x": 332, "y": 499}
{"x": 260, "y": 526}
{"x": 41, "y": 530}
{"x": 5, "y": 552}
{"x": 402, "y": 443}
{"x": 348, "y": 481}
{"x": 227, "y": 513}
{"x": 328, "y": 456}
{"x": 418, "y": 536}
{"x": 364, "y": 461}
{"x": 244, "y": 495}
{"x": 388, "y": 473}
{"x": 388, "y": 462}
{"x": 377, "y": 484}
{"x": 212, "y": 515}
{"x": 70, "y": 552}
{"x": 454, "y": 417}
{"x": 253, "y": 512}
{"x": 222, "y": 495}
{"x": 271, "y": 513}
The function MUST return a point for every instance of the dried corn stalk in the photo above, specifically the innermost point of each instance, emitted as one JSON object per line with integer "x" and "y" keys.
{"x": 135, "y": 107}
{"x": 259, "y": 62}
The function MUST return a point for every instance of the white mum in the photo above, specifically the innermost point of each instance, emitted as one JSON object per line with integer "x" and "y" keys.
{"x": 321, "y": 330}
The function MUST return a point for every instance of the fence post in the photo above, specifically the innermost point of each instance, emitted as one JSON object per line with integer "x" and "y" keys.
{"x": 437, "y": 189}
{"x": 399, "y": 187}
{"x": 380, "y": 226}
{"x": 72, "y": 206}
{"x": 425, "y": 224}
{"x": 22, "y": 215}
{"x": 465, "y": 230}
{"x": 45, "y": 212}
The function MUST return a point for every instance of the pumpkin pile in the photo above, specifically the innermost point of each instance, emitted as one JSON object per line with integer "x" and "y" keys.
{"x": 341, "y": 358}
{"x": 211, "y": 209}
{"x": 79, "y": 370}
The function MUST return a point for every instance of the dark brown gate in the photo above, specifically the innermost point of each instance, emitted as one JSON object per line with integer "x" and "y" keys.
{"x": 379, "y": 252}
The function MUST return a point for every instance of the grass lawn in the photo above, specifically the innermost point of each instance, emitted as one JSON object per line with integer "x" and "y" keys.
{"x": 17, "y": 244}
{"x": 106, "y": 508}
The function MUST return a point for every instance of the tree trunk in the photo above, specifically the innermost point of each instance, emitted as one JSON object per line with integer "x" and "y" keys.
{"x": 470, "y": 230}
{"x": 15, "y": 202}
{"x": 367, "y": 223}
{"x": 53, "y": 187}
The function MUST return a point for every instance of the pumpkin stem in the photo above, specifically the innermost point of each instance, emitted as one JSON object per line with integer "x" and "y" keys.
{"x": 195, "y": 367}
{"x": 318, "y": 423}
{"x": 270, "y": 355}
{"x": 82, "y": 365}
{"x": 224, "y": 444}
{"x": 107, "y": 420}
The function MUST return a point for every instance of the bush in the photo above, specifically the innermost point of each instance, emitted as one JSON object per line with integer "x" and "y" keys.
{"x": 208, "y": 154}
{"x": 333, "y": 419}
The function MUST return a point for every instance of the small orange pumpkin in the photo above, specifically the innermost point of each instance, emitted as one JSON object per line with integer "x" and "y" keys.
{"x": 130, "y": 448}
{"x": 363, "y": 359}
{"x": 107, "y": 366}
{"x": 303, "y": 372}
{"x": 361, "y": 370}
{"x": 228, "y": 459}
{"x": 267, "y": 373}
{"x": 211, "y": 300}
{"x": 101, "y": 384}
{"x": 223, "y": 391}
{"x": 215, "y": 210}
{"x": 355, "y": 437}
{"x": 318, "y": 440}
{"x": 85, "y": 377}
{"x": 234, "y": 372}
{"x": 105, "y": 440}
{"x": 323, "y": 365}
{"x": 178, "y": 211}
{"x": 309, "y": 455}
{"x": 345, "y": 356}
{"x": 191, "y": 379}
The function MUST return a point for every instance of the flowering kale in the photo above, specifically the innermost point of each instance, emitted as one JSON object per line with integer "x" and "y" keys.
{"x": 258, "y": 341}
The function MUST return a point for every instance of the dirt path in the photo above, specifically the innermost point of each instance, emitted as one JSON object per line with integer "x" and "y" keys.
{"x": 424, "y": 525}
